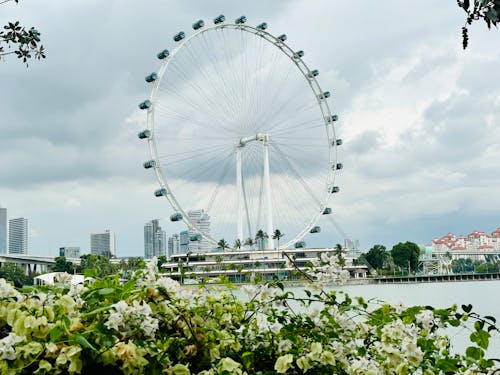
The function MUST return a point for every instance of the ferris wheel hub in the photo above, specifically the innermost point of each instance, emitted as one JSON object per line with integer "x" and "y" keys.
{"x": 263, "y": 137}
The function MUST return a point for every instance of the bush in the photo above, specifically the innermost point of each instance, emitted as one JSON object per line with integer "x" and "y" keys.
{"x": 153, "y": 325}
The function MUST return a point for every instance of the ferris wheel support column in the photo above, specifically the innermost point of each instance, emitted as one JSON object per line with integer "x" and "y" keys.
{"x": 239, "y": 189}
{"x": 267, "y": 187}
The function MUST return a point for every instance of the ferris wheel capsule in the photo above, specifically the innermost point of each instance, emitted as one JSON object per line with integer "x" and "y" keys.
{"x": 324, "y": 95}
{"x": 298, "y": 54}
{"x": 179, "y": 36}
{"x": 149, "y": 164}
{"x": 262, "y": 26}
{"x": 339, "y": 142}
{"x": 160, "y": 192}
{"x": 282, "y": 37}
{"x": 315, "y": 229}
{"x": 300, "y": 244}
{"x": 144, "y": 134}
{"x": 339, "y": 166}
{"x": 198, "y": 24}
{"x": 240, "y": 20}
{"x": 327, "y": 211}
{"x": 151, "y": 77}
{"x": 163, "y": 54}
{"x": 313, "y": 73}
{"x": 146, "y": 104}
{"x": 335, "y": 189}
{"x": 219, "y": 19}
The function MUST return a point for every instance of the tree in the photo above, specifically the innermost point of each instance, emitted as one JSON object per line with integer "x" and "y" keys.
{"x": 277, "y": 235}
{"x": 339, "y": 252}
{"x": 259, "y": 238}
{"x": 24, "y": 43}
{"x": 13, "y": 272}
{"x": 487, "y": 10}
{"x": 238, "y": 244}
{"x": 62, "y": 265}
{"x": 223, "y": 244}
{"x": 249, "y": 242}
{"x": 405, "y": 255}
{"x": 377, "y": 256}
{"x": 161, "y": 260}
{"x": 96, "y": 265}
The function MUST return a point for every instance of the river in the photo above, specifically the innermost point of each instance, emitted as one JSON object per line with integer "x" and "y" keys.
{"x": 484, "y": 296}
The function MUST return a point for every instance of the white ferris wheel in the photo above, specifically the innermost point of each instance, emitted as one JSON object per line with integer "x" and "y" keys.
{"x": 238, "y": 126}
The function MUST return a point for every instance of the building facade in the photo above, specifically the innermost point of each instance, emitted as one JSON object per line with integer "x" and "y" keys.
{"x": 474, "y": 241}
{"x": 174, "y": 245}
{"x": 103, "y": 244}
{"x": 18, "y": 236}
{"x": 70, "y": 252}
{"x": 202, "y": 221}
{"x": 3, "y": 230}
{"x": 154, "y": 240}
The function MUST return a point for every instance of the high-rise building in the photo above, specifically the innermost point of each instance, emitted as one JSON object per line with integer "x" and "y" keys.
{"x": 184, "y": 241}
{"x": 174, "y": 245}
{"x": 18, "y": 236}
{"x": 3, "y": 230}
{"x": 154, "y": 240}
{"x": 103, "y": 244}
{"x": 70, "y": 252}
{"x": 202, "y": 221}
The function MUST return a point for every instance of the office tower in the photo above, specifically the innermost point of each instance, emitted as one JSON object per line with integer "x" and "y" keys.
{"x": 184, "y": 241}
{"x": 202, "y": 221}
{"x": 174, "y": 245}
{"x": 70, "y": 252}
{"x": 103, "y": 244}
{"x": 154, "y": 240}
{"x": 18, "y": 236}
{"x": 3, "y": 230}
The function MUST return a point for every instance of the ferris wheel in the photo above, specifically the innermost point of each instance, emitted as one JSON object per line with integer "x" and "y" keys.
{"x": 240, "y": 132}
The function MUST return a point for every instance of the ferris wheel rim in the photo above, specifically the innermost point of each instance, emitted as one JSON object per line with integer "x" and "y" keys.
{"x": 315, "y": 88}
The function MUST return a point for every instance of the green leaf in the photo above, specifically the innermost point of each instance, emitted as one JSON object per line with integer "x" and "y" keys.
{"x": 84, "y": 343}
{"x": 56, "y": 333}
{"x": 474, "y": 353}
{"x": 106, "y": 291}
{"x": 481, "y": 338}
{"x": 490, "y": 318}
{"x": 467, "y": 308}
{"x": 478, "y": 325}
{"x": 448, "y": 365}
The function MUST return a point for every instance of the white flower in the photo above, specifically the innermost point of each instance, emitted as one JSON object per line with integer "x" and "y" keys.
{"x": 249, "y": 290}
{"x": 170, "y": 285}
{"x": 426, "y": 318}
{"x": 284, "y": 346}
{"x": 276, "y": 327}
{"x": 7, "y": 350}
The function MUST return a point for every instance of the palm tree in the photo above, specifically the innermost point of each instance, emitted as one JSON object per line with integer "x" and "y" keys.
{"x": 249, "y": 242}
{"x": 223, "y": 244}
{"x": 277, "y": 235}
{"x": 259, "y": 238}
{"x": 237, "y": 244}
{"x": 339, "y": 253}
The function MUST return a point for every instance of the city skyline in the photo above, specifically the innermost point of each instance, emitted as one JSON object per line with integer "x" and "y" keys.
{"x": 418, "y": 116}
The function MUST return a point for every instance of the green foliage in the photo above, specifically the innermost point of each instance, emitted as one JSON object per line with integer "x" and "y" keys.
{"x": 24, "y": 43}
{"x": 62, "y": 265}
{"x": 14, "y": 273}
{"x": 222, "y": 244}
{"x": 94, "y": 265}
{"x": 487, "y": 10}
{"x": 406, "y": 255}
{"x": 153, "y": 325}
{"x": 377, "y": 256}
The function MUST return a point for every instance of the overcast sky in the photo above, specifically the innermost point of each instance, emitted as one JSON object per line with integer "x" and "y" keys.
{"x": 418, "y": 115}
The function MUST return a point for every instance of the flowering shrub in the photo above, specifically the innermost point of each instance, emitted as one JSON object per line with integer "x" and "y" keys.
{"x": 153, "y": 325}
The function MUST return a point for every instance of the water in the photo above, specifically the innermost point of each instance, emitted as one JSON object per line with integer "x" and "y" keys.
{"x": 482, "y": 295}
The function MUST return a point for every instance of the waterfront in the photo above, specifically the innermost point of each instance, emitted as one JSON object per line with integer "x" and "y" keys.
{"x": 482, "y": 295}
